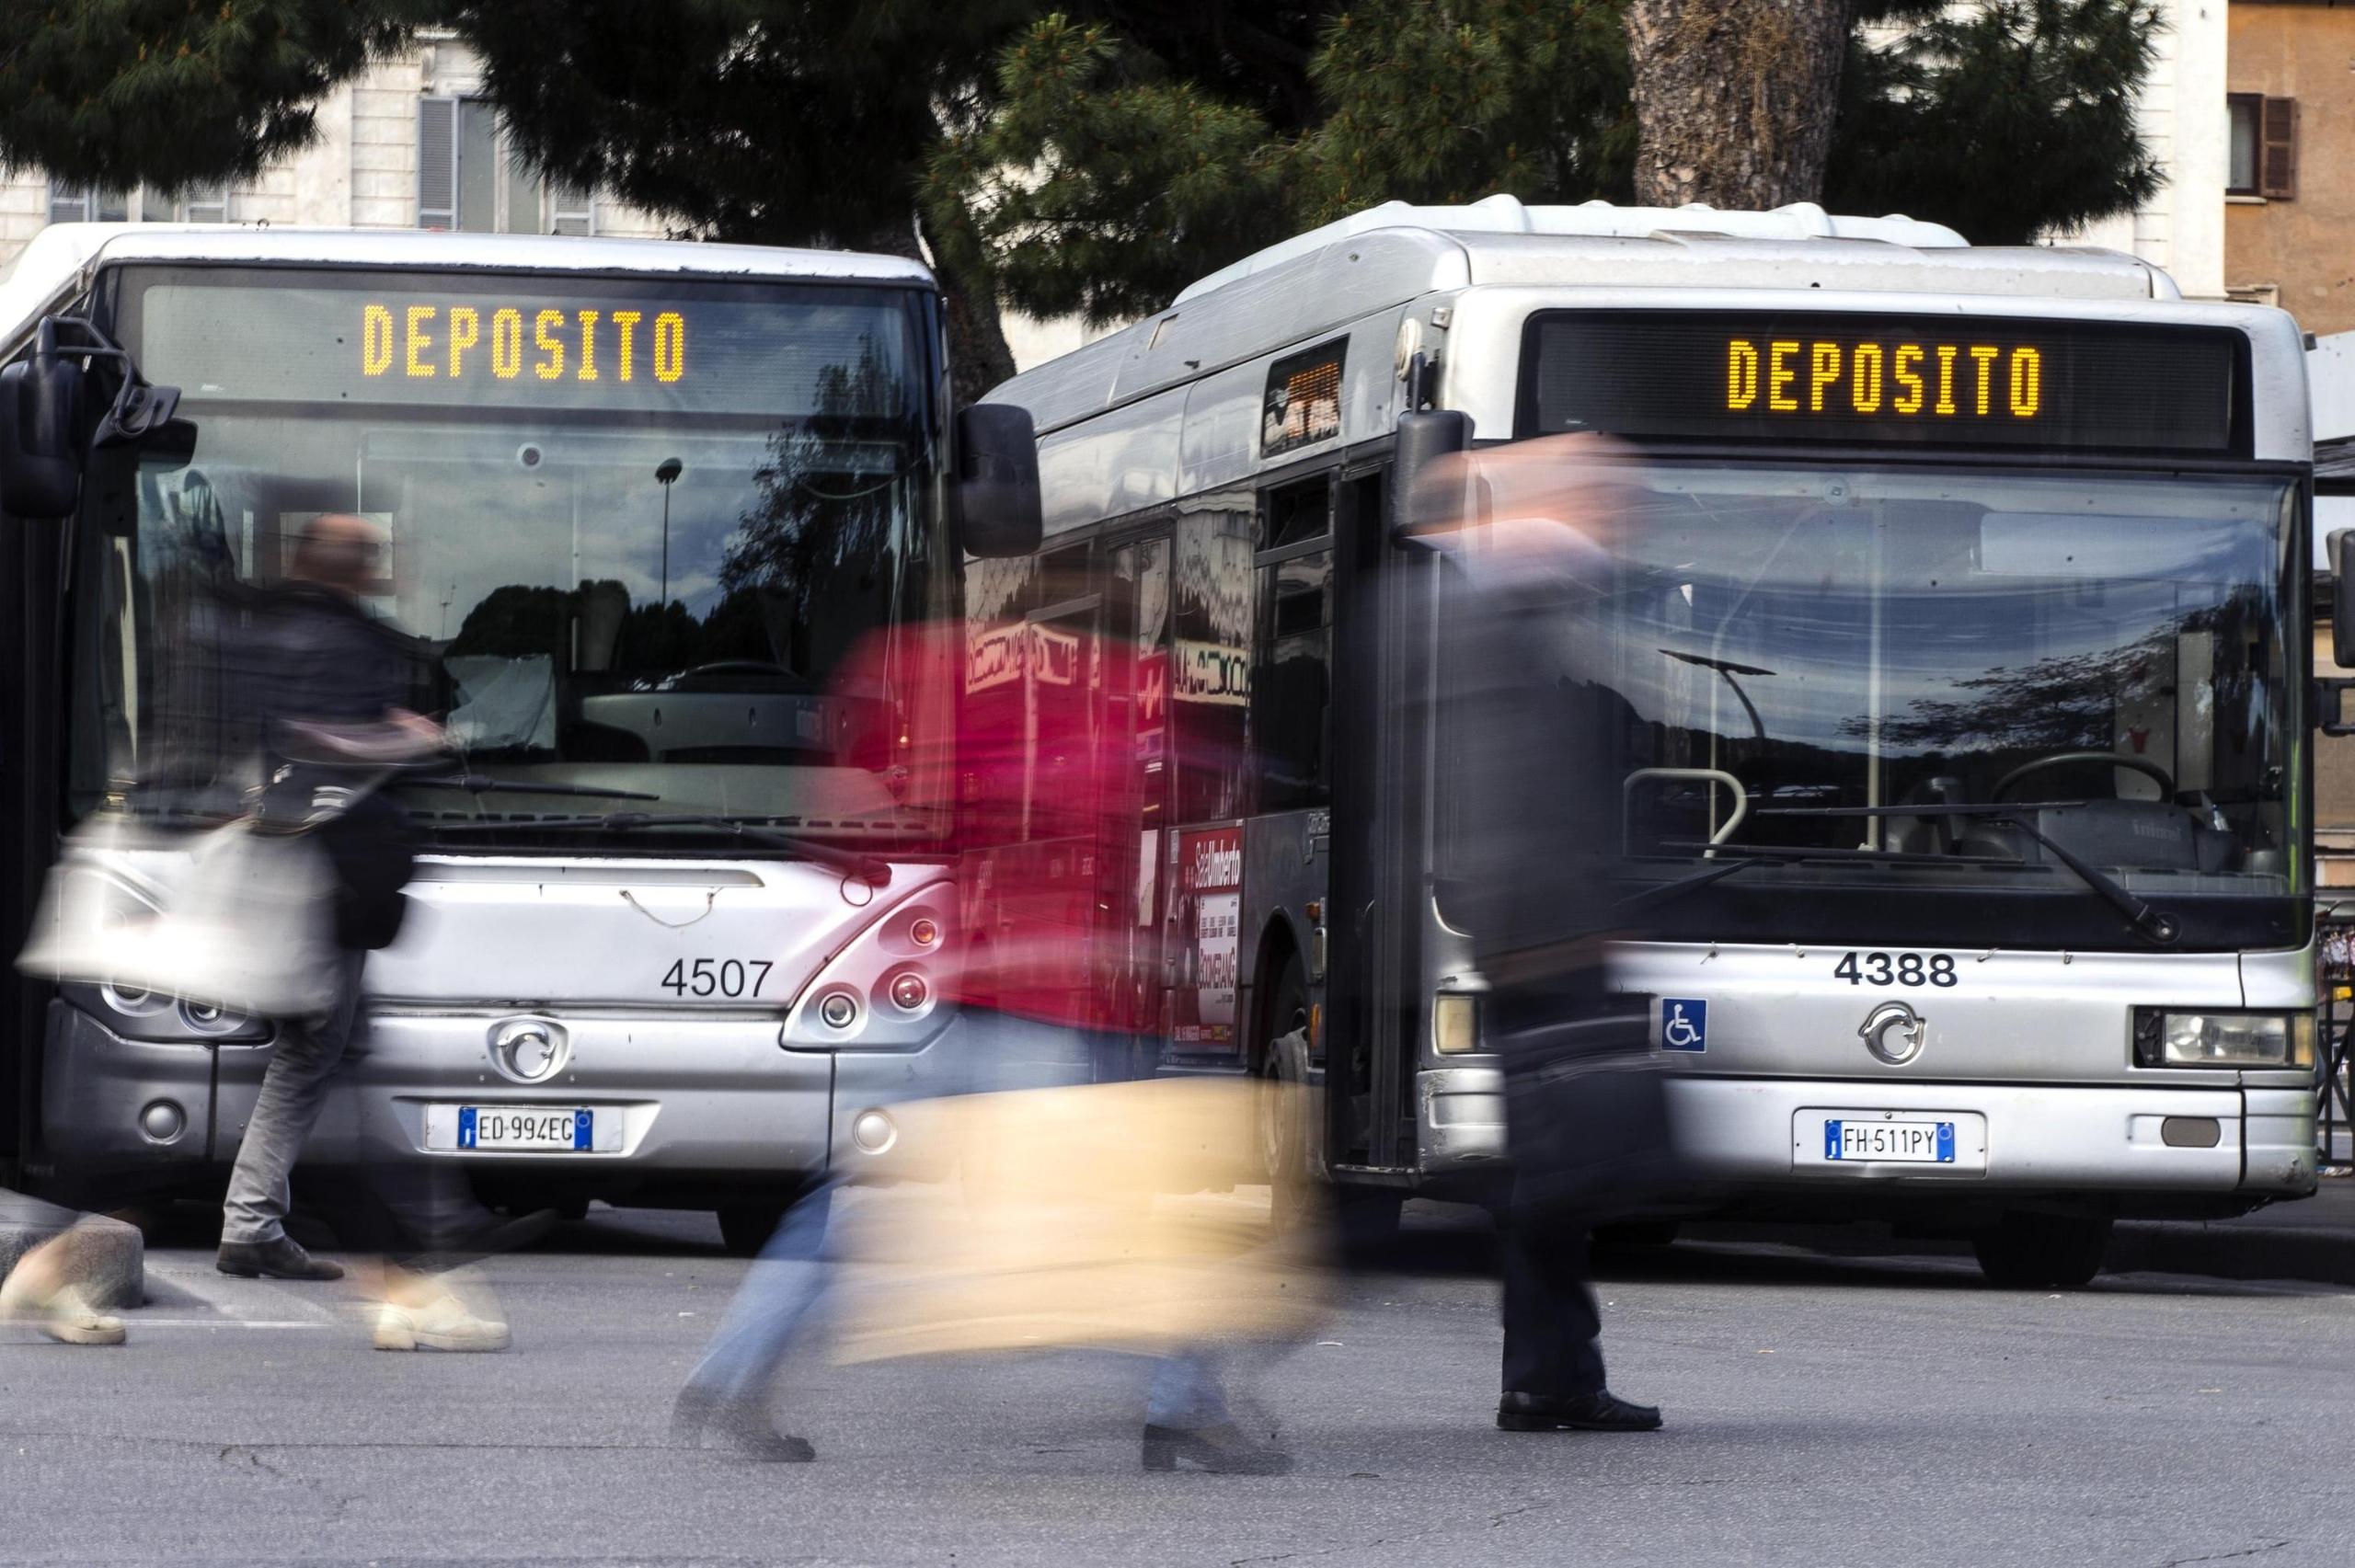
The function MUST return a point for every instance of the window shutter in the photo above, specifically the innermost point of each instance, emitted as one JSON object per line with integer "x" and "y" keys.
{"x": 67, "y": 205}
{"x": 571, "y": 210}
{"x": 111, "y": 206}
{"x": 2278, "y": 160}
{"x": 437, "y": 164}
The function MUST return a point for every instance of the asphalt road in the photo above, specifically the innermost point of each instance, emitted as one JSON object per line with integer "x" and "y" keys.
{"x": 1877, "y": 1411}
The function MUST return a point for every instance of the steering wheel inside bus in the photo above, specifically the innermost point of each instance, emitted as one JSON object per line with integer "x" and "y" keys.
{"x": 2144, "y": 765}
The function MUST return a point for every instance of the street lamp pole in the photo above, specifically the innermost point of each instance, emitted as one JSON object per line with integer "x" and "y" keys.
{"x": 666, "y": 476}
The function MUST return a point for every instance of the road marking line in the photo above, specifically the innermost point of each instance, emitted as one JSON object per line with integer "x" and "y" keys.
{"x": 135, "y": 1320}
{"x": 231, "y": 1297}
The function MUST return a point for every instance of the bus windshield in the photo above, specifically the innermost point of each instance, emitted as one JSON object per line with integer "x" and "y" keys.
{"x": 1912, "y": 678}
{"x": 646, "y": 538}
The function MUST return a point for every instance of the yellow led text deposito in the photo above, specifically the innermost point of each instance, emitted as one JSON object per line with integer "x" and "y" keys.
{"x": 1937, "y": 380}
{"x": 422, "y": 342}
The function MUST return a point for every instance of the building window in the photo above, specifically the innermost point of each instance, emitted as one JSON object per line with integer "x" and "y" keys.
{"x": 469, "y": 178}
{"x": 197, "y": 204}
{"x": 2246, "y": 111}
{"x": 83, "y": 204}
{"x": 2263, "y": 160}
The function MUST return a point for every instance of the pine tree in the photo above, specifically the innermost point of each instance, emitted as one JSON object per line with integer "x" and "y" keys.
{"x": 775, "y": 121}
{"x": 2008, "y": 122}
{"x": 1111, "y": 171}
{"x": 168, "y": 94}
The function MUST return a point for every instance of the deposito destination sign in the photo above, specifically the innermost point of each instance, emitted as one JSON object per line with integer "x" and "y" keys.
{"x": 603, "y": 345}
{"x": 422, "y": 341}
{"x": 2045, "y": 385}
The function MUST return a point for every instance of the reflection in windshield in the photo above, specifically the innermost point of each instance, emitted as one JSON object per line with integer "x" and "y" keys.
{"x": 693, "y": 610}
{"x": 1800, "y": 655}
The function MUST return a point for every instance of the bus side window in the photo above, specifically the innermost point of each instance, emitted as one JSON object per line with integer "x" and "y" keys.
{"x": 1210, "y": 668}
{"x": 1291, "y": 669}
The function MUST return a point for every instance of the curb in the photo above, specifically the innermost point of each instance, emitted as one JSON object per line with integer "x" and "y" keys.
{"x": 2231, "y": 1251}
{"x": 109, "y": 1257}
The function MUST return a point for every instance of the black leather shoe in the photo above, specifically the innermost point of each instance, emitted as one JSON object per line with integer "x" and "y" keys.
{"x": 280, "y": 1259}
{"x": 1222, "y": 1450}
{"x": 1602, "y": 1411}
{"x": 741, "y": 1426}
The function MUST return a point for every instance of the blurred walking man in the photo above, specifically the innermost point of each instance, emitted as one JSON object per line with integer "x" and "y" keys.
{"x": 327, "y": 682}
{"x": 1528, "y": 669}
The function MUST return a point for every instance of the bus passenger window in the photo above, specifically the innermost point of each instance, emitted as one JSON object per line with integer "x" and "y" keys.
{"x": 1291, "y": 683}
{"x": 1209, "y": 686}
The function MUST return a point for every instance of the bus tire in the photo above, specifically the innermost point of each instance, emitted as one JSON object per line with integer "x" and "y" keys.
{"x": 745, "y": 1228}
{"x": 2027, "y": 1251}
{"x": 1628, "y": 1234}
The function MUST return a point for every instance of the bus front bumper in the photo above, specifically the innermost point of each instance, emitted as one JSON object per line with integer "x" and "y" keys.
{"x": 672, "y": 1098}
{"x": 2053, "y": 1139}
{"x": 1738, "y": 1134}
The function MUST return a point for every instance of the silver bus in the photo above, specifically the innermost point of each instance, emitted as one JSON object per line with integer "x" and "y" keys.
{"x": 1960, "y": 601}
{"x": 666, "y": 524}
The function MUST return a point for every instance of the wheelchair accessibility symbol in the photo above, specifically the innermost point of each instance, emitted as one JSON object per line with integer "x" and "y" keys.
{"x": 1683, "y": 1025}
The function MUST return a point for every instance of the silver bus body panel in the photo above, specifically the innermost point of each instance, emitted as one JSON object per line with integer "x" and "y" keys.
{"x": 2011, "y": 1017}
{"x": 745, "y": 1085}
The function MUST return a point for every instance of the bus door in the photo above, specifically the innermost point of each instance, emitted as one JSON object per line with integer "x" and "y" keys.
{"x": 1384, "y": 626}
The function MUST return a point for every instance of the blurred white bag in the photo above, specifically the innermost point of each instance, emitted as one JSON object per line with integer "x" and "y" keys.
{"x": 245, "y": 923}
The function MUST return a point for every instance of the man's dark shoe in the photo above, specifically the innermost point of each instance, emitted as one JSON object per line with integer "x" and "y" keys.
{"x": 1602, "y": 1411}
{"x": 280, "y": 1259}
{"x": 741, "y": 1425}
{"x": 1223, "y": 1450}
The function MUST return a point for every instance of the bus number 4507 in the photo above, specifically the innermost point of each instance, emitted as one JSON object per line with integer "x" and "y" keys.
{"x": 1895, "y": 969}
{"x": 717, "y": 977}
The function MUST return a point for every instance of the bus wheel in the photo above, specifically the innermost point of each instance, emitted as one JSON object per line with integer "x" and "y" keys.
{"x": 1630, "y": 1233}
{"x": 2042, "y": 1251}
{"x": 1286, "y": 1146}
{"x": 745, "y": 1228}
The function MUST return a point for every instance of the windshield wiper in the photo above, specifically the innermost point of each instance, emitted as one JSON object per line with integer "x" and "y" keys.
{"x": 1736, "y": 857}
{"x": 2155, "y": 923}
{"x": 482, "y": 784}
{"x": 853, "y": 863}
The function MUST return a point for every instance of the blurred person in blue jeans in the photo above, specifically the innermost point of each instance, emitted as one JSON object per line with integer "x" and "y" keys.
{"x": 1032, "y": 1016}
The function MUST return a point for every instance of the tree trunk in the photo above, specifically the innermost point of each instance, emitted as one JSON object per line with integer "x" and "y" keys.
{"x": 978, "y": 357}
{"x": 1735, "y": 98}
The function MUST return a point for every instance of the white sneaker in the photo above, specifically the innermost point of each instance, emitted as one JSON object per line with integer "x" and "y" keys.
{"x": 441, "y": 1323}
{"x": 64, "y": 1314}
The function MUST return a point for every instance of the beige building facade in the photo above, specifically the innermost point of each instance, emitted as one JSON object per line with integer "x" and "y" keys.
{"x": 2290, "y": 207}
{"x": 408, "y": 143}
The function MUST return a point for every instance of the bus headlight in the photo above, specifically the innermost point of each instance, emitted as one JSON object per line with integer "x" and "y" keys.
{"x": 1455, "y": 1024}
{"x": 2225, "y": 1038}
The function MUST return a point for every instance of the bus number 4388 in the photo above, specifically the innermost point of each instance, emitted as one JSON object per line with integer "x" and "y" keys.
{"x": 717, "y": 977}
{"x": 1895, "y": 969}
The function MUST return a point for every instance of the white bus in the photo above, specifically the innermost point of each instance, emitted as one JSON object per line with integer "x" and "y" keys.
{"x": 663, "y": 520}
{"x": 1962, "y": 618}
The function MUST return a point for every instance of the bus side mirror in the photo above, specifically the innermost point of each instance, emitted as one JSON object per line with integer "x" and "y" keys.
{"x": 1420, "y": 502}
{"x": 998, "y": 509}
{"x": 2342, "y": 598}
{"x": 41, "y": 415}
